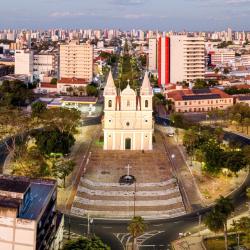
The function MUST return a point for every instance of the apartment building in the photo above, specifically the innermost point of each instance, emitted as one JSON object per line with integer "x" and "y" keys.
{"x": 76, "y": 61}
{"x": 224, "y": 57}
{"x": 24, "y": 63}
{"x": 200, "y": 100}
{"x": 152, "y": 54}
{"x": 187, "y": 58}
{"x": 45, "y": 64}
{"x": 28, "y": 216}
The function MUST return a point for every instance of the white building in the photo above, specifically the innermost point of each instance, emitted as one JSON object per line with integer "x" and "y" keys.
{"x": 152, "y": 54}
{"x": 76, "y": 60}
{"x": 187, "y": 58}
{"x": 28, "y": 216}
{"x": 223, "y": 57}
{"x": 128, "y": 119}
{"x": 24, "y": 63}
{"x": 45, "y": 65}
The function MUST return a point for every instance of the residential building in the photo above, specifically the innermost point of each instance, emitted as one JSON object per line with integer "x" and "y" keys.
{"x": 28, "y": 216}
{"x": 187, "y": 58}
{"x": 76, "y": 61}
{"x": 45, "y": 64}
{"x": 128, "y": 120}
{"x": 152, "y": 55}
{"x": 223, "y": 57}
{"x": 243, "y": 99}
{"x": 200, "y": 100}
{"x": 24, "y": 63}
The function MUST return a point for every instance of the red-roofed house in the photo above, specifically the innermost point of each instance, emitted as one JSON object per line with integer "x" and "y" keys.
{"x": 65, "y": 83}
{"x": 200, "y": 100}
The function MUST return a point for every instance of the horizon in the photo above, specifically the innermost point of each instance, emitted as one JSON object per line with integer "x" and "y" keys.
{"x": 191, "y": 15}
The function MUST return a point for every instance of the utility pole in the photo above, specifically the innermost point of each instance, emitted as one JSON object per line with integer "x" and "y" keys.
{"x": 134, "y": 198}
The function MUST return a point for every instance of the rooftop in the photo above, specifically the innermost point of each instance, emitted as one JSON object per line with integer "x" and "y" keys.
{"x": 40, "y": 194}
{"x": 79, "y": 99}
{"x": 14, "y": 184}
{"x": 197, "y": 94}
{"x": 73, "y": 81}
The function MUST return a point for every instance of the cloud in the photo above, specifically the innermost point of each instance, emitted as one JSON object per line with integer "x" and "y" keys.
{"x": 128, "y": 2}
{"x": 66, "y": 14}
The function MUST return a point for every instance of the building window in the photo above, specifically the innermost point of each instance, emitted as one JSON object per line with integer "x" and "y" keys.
{"x": 110, "y": 104}
{"x": 127, "y": 124}
{"x": 128, "y": 103}
{"x": 146, "y": 104}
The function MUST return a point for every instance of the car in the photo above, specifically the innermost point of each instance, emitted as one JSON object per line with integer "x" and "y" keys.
{"x": 170, "y": 134}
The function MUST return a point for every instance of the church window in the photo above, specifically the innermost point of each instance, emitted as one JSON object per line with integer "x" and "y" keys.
{"x": 110, "y": 104}
{"x": 110, "y": 121}
{"x": 127, "y": 123}
{"x": 128, "y": 103}
{"x": 146, "y": 120}
{"x": 146, "y": 104}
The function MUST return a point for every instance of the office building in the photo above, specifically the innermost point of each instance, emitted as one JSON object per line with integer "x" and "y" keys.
{"x": 28, "y": 216}
{"x": 76, "y": 61}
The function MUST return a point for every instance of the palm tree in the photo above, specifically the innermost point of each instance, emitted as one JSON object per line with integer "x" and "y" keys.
{"x": 225, "y": 207}
{"x": 136, "y": 228}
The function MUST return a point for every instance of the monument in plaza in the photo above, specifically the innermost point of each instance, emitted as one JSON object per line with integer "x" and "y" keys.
{"x": 128, "y": 116}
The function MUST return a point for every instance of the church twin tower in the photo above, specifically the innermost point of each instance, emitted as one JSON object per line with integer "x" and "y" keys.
{"x": 128, "y": 121}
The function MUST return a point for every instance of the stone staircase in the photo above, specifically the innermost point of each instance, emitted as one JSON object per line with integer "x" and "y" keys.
{"x": 155, "y": 194}
{"x": 112, "y": 200}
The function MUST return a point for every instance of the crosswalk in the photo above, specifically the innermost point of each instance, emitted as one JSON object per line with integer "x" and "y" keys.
{"x": 126, "y": 238}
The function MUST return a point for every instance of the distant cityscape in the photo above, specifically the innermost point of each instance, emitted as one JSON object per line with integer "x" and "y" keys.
{"x": 124, "y": 139}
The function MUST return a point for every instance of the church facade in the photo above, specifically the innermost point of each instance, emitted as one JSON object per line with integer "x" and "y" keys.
{"x": 128, "y": 117}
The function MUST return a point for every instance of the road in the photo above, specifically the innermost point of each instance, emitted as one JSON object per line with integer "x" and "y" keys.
{"x": 168, "y": 229}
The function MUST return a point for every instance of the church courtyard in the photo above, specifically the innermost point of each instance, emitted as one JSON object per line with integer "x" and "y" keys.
{"x": 154, "y": 194}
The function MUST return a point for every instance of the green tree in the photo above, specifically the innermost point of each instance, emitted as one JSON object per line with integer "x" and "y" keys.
{"x": 53, "y": 81}
{"x": 136, "y": 228}
{"x": 54, "y": 141}
{"x": 235, "y": 161}
{"x": 30, "y": 163}
{"x": 178, "y": 120}
{"x": 64, "y": 119}
{"x": 38, "y": 108}
{"x": 62, "y": 168}
{"x": 15, "y": 93}
{"x": 86, "y": 244}
{"x": 225, "y": 207}
{"x": 91, "y": 90}
{"x": 242, "y": 226}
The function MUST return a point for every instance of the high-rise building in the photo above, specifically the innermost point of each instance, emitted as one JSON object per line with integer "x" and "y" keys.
{"x": 28, "y": 216}
{"x": 24, "y": 63}
{"x": 187, "y": 58}
{"x": 76, "y": 61}
{"x": 152, "y": 54}
{"x": 164, "y": 61}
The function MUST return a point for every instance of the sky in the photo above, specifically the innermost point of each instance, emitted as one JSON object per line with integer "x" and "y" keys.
{"x": 191, "y": 15}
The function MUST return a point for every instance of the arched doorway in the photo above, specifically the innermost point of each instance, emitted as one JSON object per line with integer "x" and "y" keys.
{"x": 128, "y": 143}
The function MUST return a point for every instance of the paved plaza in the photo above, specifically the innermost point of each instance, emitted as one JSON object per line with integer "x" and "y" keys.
{"x": 155, "y": 192}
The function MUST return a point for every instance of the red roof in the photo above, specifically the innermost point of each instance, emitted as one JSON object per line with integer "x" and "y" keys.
{"x": 73, "y": 81}
{"x": 178, "y": 94}
{"x": 242, "y": 86}
{"x": 48, "y": 85}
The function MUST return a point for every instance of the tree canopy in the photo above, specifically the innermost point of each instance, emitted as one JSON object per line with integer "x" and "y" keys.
{"x": 86, "y": 244}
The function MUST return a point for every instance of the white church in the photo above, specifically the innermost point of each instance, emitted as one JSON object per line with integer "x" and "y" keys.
{"x": 128, "y": 117}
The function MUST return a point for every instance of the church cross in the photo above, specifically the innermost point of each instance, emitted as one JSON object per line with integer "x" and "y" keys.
{"x": 128, "y": 169}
